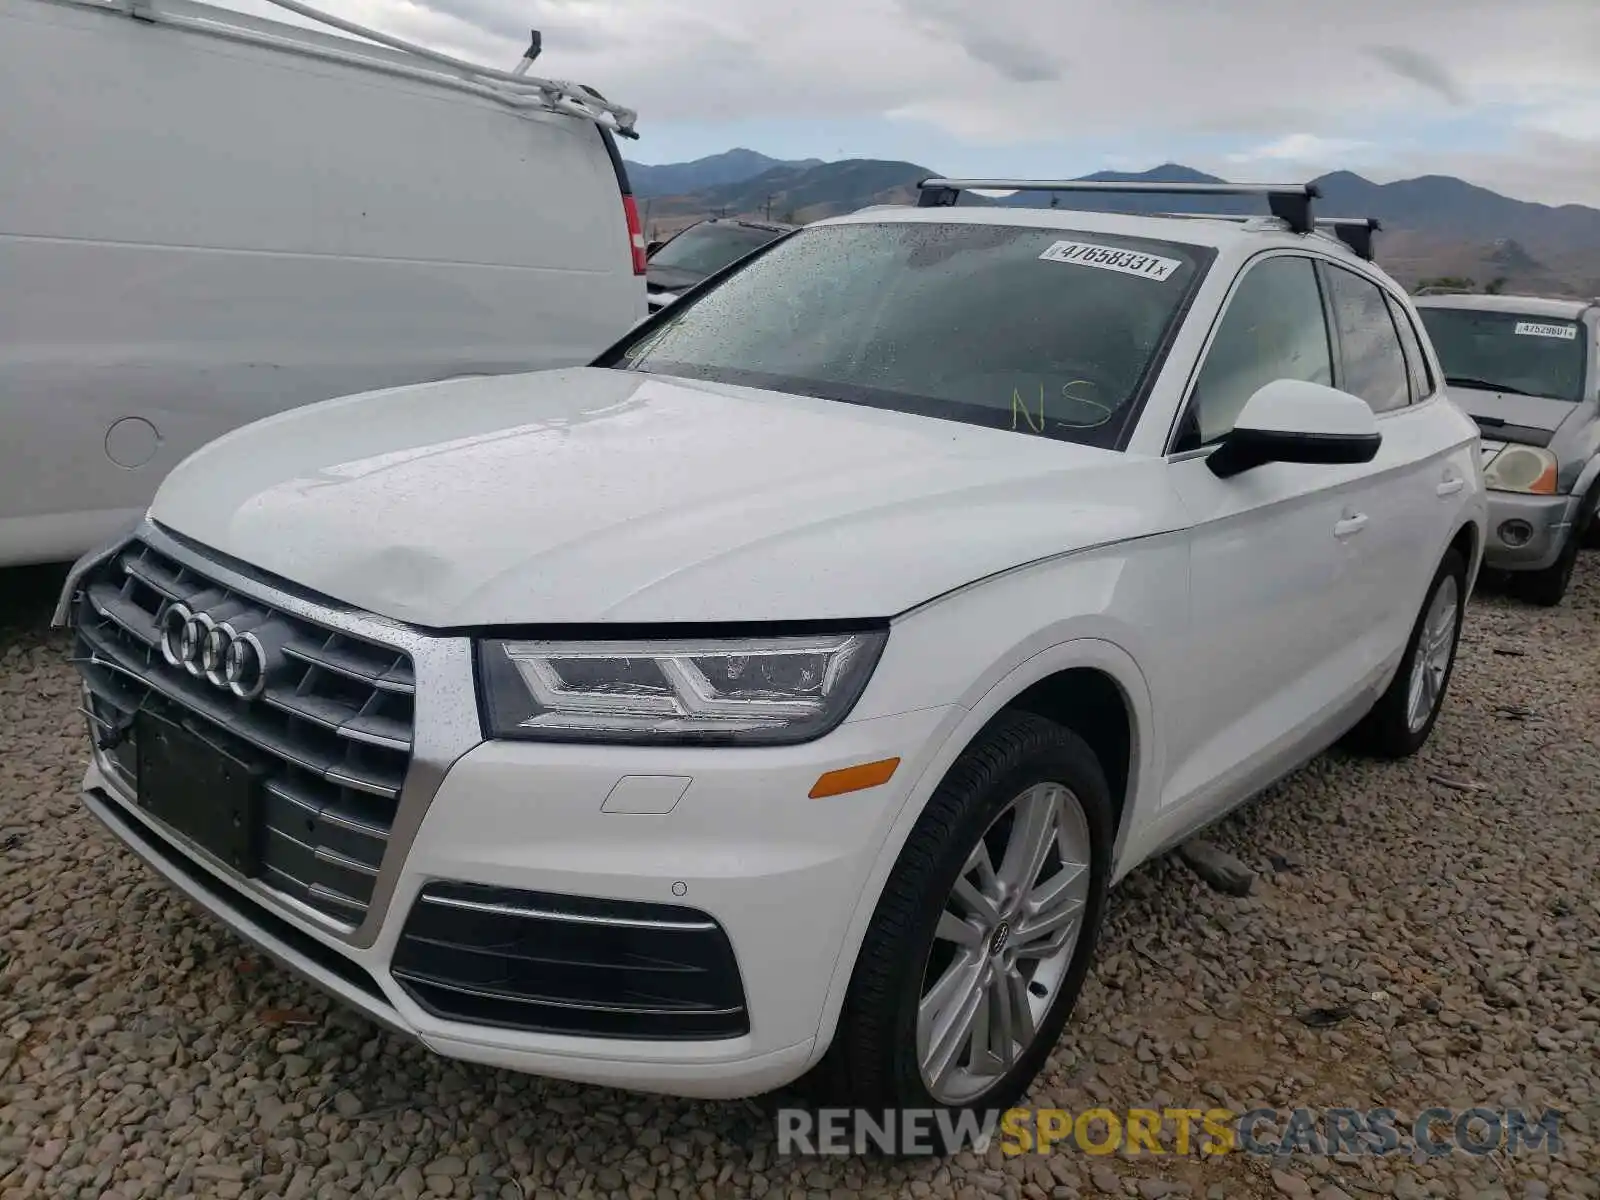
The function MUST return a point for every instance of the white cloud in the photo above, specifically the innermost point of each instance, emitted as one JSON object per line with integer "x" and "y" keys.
{"x": 1339, "y": 83}
{"x": 1302, "y": 148}
{"x": 1578, "y": 119}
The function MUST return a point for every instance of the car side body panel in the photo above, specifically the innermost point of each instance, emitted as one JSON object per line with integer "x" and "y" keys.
{"x": 220, "y": 229}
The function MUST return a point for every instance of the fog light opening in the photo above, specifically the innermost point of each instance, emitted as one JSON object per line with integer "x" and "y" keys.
{"x": 1516, "y": 532}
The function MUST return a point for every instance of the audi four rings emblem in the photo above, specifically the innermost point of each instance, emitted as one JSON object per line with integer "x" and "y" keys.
{"x": 213, "y": 651}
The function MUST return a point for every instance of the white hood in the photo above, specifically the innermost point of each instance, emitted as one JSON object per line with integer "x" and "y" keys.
{"x": 590, "y": 495}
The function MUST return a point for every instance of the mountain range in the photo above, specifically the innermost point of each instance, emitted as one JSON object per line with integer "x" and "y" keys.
{"x": 1434, "y": 226}
{"x": 729, "y": 167}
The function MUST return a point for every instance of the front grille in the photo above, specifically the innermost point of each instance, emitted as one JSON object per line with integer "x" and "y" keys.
{"x": 569, "y": 965}
{"x": 331, "y": 732}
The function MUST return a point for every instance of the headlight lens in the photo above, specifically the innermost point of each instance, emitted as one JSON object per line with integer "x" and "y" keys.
{"x": 763, "y": 691}
{"x": 1522, "y": 469}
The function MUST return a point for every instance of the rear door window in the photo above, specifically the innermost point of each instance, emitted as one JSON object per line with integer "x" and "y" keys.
{"x": 1372, "y": 364}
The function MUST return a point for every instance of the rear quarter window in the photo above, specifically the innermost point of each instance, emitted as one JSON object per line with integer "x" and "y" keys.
{"x": 1422, "y": 381}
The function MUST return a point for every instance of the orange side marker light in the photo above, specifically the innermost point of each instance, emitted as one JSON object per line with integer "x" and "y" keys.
{"x": 854, "y": 779}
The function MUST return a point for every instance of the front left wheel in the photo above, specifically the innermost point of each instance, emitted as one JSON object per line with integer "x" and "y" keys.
{"x": 984, "y": 931}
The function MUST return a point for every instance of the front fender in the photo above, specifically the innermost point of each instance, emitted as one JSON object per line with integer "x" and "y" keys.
{"x": 1589, "y": 477}
{"x": 974, "y": 638}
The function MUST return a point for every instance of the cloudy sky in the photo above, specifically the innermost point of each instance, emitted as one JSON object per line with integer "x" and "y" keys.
{"x": 1505, "y": 93}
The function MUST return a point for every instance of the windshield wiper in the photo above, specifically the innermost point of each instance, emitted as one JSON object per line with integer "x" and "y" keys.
{"x": 1485, "y": 385}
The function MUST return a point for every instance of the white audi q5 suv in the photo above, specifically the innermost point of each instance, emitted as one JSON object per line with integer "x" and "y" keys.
{"x": 781, "y": 694}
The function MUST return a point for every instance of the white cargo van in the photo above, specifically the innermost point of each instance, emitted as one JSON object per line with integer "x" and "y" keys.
{"x": 206, "y": 218}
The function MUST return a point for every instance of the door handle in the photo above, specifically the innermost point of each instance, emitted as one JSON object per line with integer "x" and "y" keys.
{"x": 1450, "y": 487}
{"x": 1350, "y": 526}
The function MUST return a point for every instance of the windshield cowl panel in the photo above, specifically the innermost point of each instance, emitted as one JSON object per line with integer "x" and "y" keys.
{"x": 1046, "y": 332}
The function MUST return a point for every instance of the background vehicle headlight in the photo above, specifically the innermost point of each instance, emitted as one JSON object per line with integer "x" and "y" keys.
{"x": 759, "y": 691}
{"x": 1522, "y": 469}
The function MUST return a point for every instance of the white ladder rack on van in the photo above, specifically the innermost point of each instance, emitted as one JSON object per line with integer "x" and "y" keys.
{"x": 515, "y": 88}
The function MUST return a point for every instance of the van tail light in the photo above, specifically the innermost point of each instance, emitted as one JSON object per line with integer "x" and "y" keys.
{"x": 635, "y": 235}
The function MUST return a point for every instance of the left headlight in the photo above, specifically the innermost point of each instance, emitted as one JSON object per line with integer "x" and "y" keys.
{"x": 760, "y": 691}
{"x": 1522, "y": 469}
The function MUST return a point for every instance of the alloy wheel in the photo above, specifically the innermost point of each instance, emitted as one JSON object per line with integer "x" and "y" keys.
{"x": 1431, "y": 660}
{"x": 1004, "y": 943}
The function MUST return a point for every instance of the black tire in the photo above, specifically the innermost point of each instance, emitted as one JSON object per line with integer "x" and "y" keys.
{"x": 1586, "y": 530}
{"x": 872, "y": 1062}
{"x": 1385, "y": 732}
{"x": 1547, "y": 588}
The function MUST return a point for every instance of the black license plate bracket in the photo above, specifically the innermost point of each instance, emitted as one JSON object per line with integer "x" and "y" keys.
{"x": 199, "y": 790}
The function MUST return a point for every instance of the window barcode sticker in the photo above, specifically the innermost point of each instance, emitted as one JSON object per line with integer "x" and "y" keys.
{"x": 1109, "y": 258}
{"x": 1542, "y": 329}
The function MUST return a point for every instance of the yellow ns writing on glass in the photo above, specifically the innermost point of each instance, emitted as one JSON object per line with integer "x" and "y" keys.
{"x": 1018, "y": 404}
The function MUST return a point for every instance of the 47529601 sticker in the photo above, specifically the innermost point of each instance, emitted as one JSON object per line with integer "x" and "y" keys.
{"x": 1110, "y": 258}
{"x": 1544, "y": 329}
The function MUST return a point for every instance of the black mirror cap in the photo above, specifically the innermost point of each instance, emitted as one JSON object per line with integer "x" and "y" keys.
{"x": 650, "y": 250}
{"x": 1243, "y": 449}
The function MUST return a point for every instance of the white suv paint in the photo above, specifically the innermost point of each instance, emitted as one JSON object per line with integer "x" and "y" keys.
{"x": 785, "y": 690}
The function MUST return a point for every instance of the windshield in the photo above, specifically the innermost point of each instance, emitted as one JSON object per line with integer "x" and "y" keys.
{"x": 1537, "y": 356}
{"x": 1043, "y": 331}
{"x": 706, "y": 249}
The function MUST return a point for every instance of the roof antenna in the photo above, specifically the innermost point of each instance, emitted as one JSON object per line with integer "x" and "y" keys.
{"x": 535, "y": 45}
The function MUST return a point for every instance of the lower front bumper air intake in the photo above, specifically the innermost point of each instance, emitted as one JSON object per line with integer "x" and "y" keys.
{"x": 569, "y": 965}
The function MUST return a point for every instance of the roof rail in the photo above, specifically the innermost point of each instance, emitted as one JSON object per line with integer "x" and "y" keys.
{"x": 1290, "y": 202}
{"x": 515, "y": 87}
{"x": 1354, "y": 232}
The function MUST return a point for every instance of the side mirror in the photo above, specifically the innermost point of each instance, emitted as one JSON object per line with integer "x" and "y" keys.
{"x": 650, "y": 250}
{"x": 1292, "y": 421}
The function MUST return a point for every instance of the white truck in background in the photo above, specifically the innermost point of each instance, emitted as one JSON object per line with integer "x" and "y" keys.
{"x": 207, "y": 218}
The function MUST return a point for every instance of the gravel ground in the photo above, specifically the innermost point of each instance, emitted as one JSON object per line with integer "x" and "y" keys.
{"x": 1449, "y": 903}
